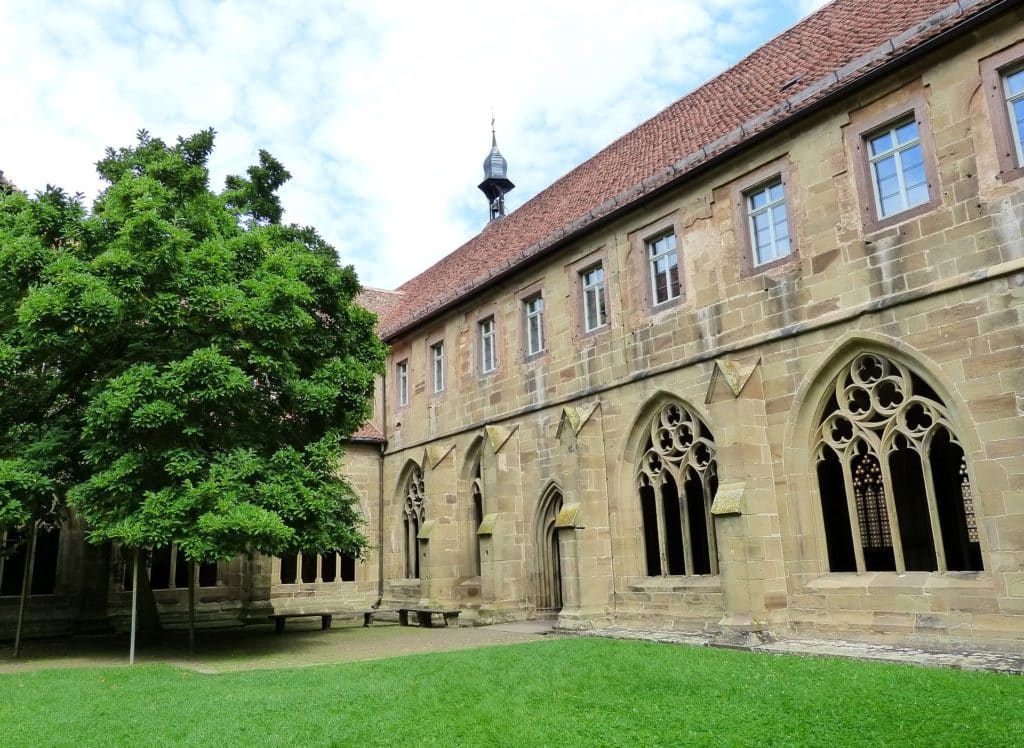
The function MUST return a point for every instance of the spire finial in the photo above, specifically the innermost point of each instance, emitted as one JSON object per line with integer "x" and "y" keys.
{"x": 496, "y": 182}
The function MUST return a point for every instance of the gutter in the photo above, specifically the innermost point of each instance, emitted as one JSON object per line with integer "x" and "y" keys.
{"x": 743, "y": 137}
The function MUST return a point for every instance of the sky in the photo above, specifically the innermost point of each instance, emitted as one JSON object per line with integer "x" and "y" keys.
{"x": 380, "y": 110}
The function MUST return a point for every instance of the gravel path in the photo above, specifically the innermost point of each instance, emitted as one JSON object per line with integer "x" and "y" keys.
{"x": 258, "y": 647}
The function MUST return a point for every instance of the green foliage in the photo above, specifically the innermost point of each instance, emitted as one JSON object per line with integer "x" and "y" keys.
{"x": 564, "y": 692}
{"x": 180, "y": 364}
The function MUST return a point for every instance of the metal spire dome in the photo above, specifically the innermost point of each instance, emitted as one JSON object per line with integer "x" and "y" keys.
{"x": 496, "y": 182}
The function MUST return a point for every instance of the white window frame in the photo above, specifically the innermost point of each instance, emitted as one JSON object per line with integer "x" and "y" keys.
{"x": 534, "y": 310}
{"x": 488, "y": 345}
{"x": 778, "y": 249}
{"x": 1011, "y": 99}
{"x": 895, "y": 153}
{"x": 402, "y": 382}
{"x": 661, "y": 248}
{"x": 594, "y": 288}
{"x": 437, "y": 365}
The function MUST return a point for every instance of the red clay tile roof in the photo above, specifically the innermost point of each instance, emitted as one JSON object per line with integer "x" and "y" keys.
{"x": 379, "y": 301}
{"x": 368, "y": 433}
{"x": 824, "y": 53}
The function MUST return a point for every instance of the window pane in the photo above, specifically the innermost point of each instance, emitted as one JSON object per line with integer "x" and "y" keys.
{"x": 590, "y": 311}
{"x": 881, "y": 143}
{"x": 1015, "y": 83}
{"x": 891, "y": 204}
{"x": 674, "y": 280}
{"x": 911, "y": 158}
{"x": 1018, "y": 116}
{"x": 781, "y": 231}
{"x": 775, "y": 191}
{"x": 602, "y": 312}
{"x": 917, "y": 195}
{"x": 886, "y": 168}
{"x": 906, "y": 133}
{"x": 758, "y": 200}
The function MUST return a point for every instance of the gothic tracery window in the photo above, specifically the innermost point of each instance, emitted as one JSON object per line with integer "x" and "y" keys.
{"x": 895, "y": 489}
{"x": 413, "y": 516}
{"x": 677, "y": 479}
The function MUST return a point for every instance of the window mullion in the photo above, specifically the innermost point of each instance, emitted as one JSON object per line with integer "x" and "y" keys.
{"x": 684, "y": 516}
{"x": 894, "y": 524}
{"x": 933, "y": 505}
{"x": 659, "y": 510}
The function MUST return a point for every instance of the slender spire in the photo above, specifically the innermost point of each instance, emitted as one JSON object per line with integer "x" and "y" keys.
{"x": 496, "y": 183}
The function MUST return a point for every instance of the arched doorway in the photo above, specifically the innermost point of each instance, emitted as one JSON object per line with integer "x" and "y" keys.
{"x": 549, "y": 562}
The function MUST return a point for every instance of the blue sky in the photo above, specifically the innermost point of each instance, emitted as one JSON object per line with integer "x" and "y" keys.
{"x": 380, "y": 110}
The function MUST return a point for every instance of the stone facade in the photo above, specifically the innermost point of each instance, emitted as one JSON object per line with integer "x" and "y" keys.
{"x": 754, "y": 352}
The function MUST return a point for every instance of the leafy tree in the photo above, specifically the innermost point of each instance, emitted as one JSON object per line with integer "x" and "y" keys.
{"x": 191, "y": 367}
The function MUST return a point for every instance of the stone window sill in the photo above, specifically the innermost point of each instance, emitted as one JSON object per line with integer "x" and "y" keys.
{"x": 702, "y": 583}
{"x": 920, "y": 581}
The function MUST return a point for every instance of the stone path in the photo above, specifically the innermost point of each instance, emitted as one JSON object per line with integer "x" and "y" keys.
{"x": 1000, "y": 662}
{"x": 303, "y": 643}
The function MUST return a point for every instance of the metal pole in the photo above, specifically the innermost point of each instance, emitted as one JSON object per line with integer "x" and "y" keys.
{"x": 135, "y": 606}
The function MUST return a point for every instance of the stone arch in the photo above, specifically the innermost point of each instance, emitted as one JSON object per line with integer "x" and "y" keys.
{"x": 548, "y": 562}
{"x": 472, "y": 474}
{"x": 411, "y": 500}
{"x": 673, "y": 477}
{"x": 882, "y": 450}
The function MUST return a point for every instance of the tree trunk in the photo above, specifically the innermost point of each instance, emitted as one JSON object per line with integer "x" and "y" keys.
{"x": 191, "y": 608}
{"x": 26, "y": 587}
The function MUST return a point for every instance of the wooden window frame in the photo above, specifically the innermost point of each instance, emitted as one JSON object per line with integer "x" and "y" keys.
{"x": 994, "y": 69}
{"x": 402, "y": 383}
{"x": 434, "y": 343}
{"x": 867, "y": 122}
{"x": 577, "y": 270}
{"x": 740, "y": 192}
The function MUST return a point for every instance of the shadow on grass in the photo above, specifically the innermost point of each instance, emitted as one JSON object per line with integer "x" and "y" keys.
{"x": 247, "y": 646}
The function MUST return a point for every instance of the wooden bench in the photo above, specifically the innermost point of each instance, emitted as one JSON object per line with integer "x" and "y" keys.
{"x": 326, "y": 616}
{"x": 425, "y": 616}
{"x": 280, "y": 618}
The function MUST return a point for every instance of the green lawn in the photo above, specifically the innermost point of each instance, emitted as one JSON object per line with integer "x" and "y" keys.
{"x": 562, "y": 692}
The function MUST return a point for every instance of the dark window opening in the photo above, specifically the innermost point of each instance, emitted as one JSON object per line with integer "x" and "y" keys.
{"x": 912, "y": 510}
{"x": 838, "y": 533}
{"x": 328, "y": 567}
{"x": 348, "y": 567}
{"x": 44, "y": 566}
{"x": 289, "y": 569}
{"x": 696, "y": 514}
{"x": 649, "y": 516}
{"x": 955, "y": 503}
{"x": 308, "y": 567}
{"x": 675, "y": 557}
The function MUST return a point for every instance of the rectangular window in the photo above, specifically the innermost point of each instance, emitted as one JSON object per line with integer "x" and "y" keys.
{"x": 534, "y": 324}
{"x": 769, "y": 227}
{"x": 402, "y": 383}
{"x": 897, "y": 168}
{"x": 595, "y": 309}
{"x": 488, "y": 346}
{"x": 1013, "y": 88}
{"x": 437, "y": 365}
{"x": 664, "y": 268}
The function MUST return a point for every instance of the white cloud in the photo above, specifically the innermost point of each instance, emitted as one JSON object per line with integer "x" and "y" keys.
{"x": 380, "y": 110}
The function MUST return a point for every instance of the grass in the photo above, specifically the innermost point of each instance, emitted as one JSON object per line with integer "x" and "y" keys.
{"x": 560, "y": 692}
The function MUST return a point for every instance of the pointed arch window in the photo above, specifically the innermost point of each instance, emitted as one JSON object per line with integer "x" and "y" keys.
{"x": 413, "y": 516}
{"x": 677, "y": 479}
{"x": 895, "y": 490}
{"x": 477, "y": 496}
